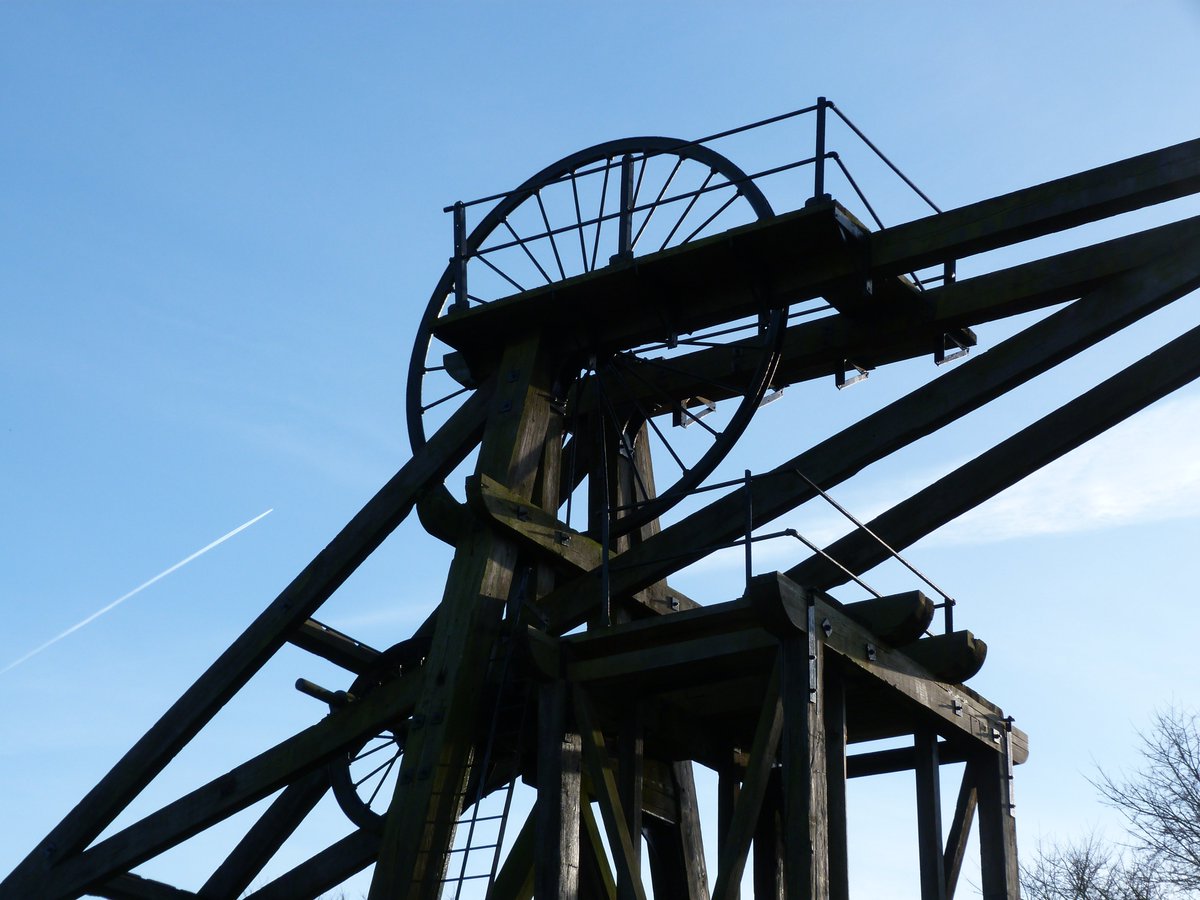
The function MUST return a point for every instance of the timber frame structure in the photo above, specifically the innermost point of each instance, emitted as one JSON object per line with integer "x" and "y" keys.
{"x": 559, "y": 396}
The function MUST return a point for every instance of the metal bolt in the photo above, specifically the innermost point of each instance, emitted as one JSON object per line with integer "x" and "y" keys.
{"x": 827, "y": 627}
{"x": 871, "y": 652}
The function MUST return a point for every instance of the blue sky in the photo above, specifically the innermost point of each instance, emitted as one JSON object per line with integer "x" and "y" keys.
{"x": 221, "y": 223}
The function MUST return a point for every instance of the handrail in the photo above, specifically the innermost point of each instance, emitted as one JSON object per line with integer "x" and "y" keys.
{"x": 623, "y": 215}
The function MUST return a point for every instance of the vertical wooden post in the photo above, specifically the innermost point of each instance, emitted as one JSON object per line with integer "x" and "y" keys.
{"x": 960, "y": 829}
{"x": 419, "y": 829}
{"x": 728, "y": 790}
{"x": 768, "y": 844}
{"x": 629, "y": 771}
{"x": 834, "y": 711}
{"x": 999, "y": 872}
{"x": 805, "y": 796}
{"x": 929, "y": 815}
{"x": 556, "y": 860}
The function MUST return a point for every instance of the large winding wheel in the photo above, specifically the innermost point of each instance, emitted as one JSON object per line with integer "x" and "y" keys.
{"x": 610, "y": 205}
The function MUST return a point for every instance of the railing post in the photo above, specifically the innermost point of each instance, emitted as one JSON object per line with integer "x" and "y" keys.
{"x": 460, "y": 260}
{"x": 819, "y": 156}
{"x": 625, "y": 222}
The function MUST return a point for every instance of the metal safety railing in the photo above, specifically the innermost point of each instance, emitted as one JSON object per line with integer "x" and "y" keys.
{"x": 748, "y": 539}
{"x": 543, "y": 251}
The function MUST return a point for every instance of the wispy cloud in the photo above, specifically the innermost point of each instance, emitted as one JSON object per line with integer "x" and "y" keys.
{"x": 137, "y": 590}
{"x": 1144, "y": 470}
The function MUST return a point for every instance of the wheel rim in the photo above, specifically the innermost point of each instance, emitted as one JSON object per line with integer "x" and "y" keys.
{"x": 681, "y": 193}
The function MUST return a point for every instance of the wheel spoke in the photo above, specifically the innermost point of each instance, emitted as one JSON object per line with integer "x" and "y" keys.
{"x": 382, "y": 780}
{"x": 600, "y": 215}
{"x": 662, "y": 437}
{"x": 521, "y": 241}
{"x": 430, "y": 406}
{"x": 487, "y": 262}
{"x": 724, "y": 206}
{"x": 383, "y": 765}
{"x": 579, "y": 221}
{"x": 550, "y": 234}
{"x": 658, "y": 199}
{"x": 688, "y": 209}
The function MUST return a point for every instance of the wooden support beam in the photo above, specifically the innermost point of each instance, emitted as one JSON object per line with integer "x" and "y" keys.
{"x": 233, "y": 791}
{"x": 556, "y": 812}
{"x": 608, "y": 797}
{"x": 630, "y": 764}
{"x": 729, "y": 788}
{"x": 814, "y": 349}
{"x": 266, "y": 836}
{"x": 324, "y": 871}
{"x": 676, "y": 849}
{"x": 805, "y": 794}
{"x": 835, "y": 781}
{"x": 515, "y": 880}
{"x": 298, "y": 601}
{"x": 960, "y": 829}
{"x": 999, "y": 869}
{"x": 926, "y": 409}
{"x": 329, "y": 643}
{"x": 419, "y": 828}
{"x": 953, "y": 711}
{"x": 900, "y": 759}
{"x": 596, "y": 880}
{"x": 768, "y": 847}
{"x": 732, "y": 861}
{"x": 135, "y": 887}
{"x": 1031, "y": 212}
{"x": 1078, "y": 421}
{"x": 929, "y": 815}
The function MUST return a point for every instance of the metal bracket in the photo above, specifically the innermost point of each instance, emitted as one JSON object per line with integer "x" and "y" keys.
{"x": 949, "y": 348}
{"x": 840, "y": 380}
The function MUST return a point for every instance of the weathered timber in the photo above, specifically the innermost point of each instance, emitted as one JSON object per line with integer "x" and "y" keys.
{"x": 630, "y": 769}
{"x": 960, "y": 828}
{"x": 954, "y": 711}
{"x": 999, "y": 870}
{"x": 896, "y": 619}
{"x": 515, "y": 880}
{"x": 556, "y": 812}
{"x": 675, "y": 848}
{"x": 135, "y": 887}
{"x": 768, "y": 851}
{"x": 233, "y": 791}
{"x": 744, "y": 818}
{"x": 931, "y": 861}
{"x": 419, "y": 828}
{"x": 834, "y": 710}
{"x": 265, "y": 837}
{"x": 608, "y": 798}
{"x": 324, "y": 871}
{"x": 329, "y": 643}
{"x": 899, "y": 759}
{"x": 298, "y": 601}
{"x": 953, "y": 657}
{"x": 1032, "y": 212}
{"x": 596, "y": 880}
{"x": 815, "y": 349}
{"x": 1093, "y": 412}
{"x": 717, "y": 279}
{"x": 802, "y": 757}
{"x": 962, "y": 390}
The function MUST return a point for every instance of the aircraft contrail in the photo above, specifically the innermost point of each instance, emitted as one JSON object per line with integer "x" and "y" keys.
{"x": 141, "y": 587}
